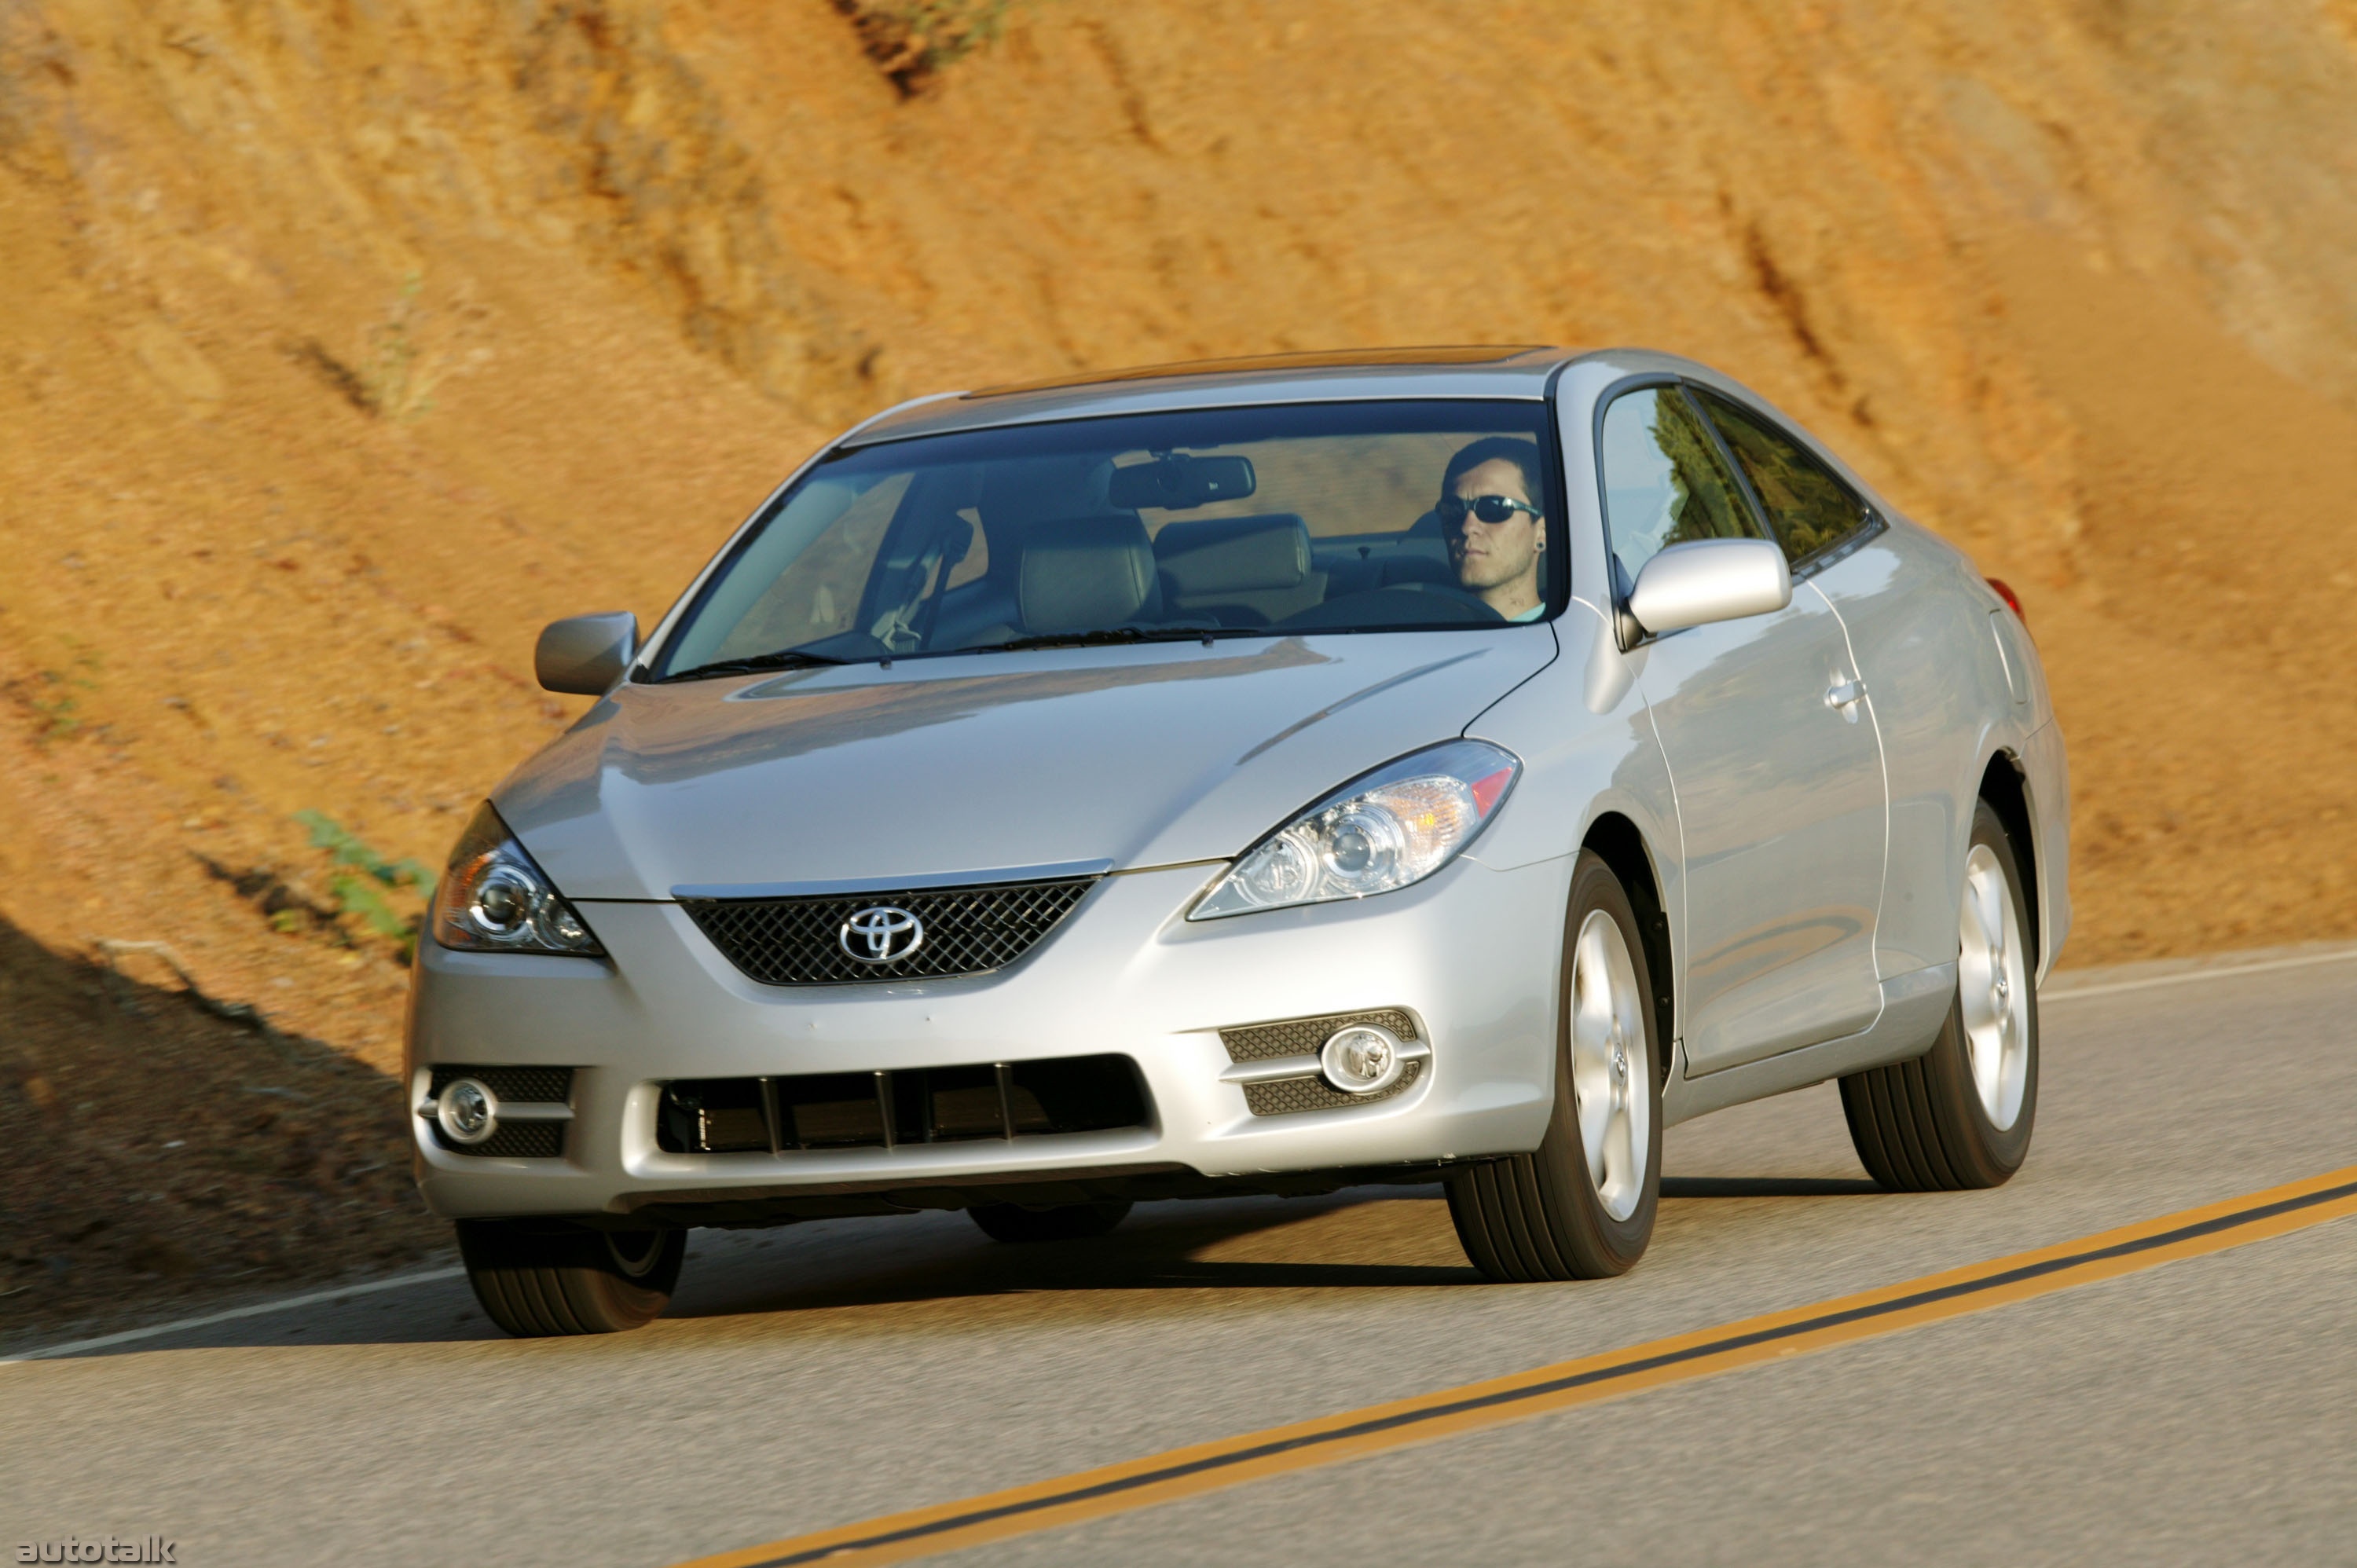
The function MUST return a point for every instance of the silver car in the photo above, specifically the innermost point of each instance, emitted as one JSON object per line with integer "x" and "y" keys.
{"x": 1444, "y": 766}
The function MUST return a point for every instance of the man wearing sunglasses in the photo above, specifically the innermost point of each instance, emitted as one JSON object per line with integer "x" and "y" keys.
{"x": 1494, "y": 529}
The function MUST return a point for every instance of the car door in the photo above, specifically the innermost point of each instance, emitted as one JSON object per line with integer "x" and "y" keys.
{"x": 1776, "y": 772}
{"x": 1932, "y": 668}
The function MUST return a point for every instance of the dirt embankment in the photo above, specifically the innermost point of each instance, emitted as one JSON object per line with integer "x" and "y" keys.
{"x": 158, "y": 1151}
{"x": 341, "y": 347}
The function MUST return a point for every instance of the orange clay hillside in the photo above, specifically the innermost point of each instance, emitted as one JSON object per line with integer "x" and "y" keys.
{"x": 342, "y": 345}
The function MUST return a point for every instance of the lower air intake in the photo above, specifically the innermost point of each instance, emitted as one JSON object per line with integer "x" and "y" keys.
{"x": 514, "y": 1140}
{"x": 1287, "y": 1095}
{"x": 884, "y": 1110}
{"x": 1299, "y": 1038}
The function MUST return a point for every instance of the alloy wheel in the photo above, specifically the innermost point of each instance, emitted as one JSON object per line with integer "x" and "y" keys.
{"x": 1609, "y": 1064}
{"x": 1993, "y": 984}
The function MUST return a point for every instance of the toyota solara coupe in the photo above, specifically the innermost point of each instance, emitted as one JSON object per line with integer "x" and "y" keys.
{"x": 1445, "y": 766}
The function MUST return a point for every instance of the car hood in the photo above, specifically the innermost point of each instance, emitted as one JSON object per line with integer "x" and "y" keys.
{"x": 1156, "y": 755}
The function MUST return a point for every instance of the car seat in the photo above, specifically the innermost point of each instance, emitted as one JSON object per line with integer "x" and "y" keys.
{"x": 1238, "y": 571}
{"x": 1085, "y": 573}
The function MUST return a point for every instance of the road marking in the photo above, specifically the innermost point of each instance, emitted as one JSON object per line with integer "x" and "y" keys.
{"x": 2183, "y": 977}
{"x": 1209, "y": 1467}
{"x": 51, "y": 1352}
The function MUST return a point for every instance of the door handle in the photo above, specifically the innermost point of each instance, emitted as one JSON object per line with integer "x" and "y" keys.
{"x": 1846, "y": 693}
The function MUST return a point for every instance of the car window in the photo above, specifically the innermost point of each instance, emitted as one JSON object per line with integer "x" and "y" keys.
{"x": 1664, "y": 482}
{"x": 1813, "y": 511}
{"x": 1304, "y": 518}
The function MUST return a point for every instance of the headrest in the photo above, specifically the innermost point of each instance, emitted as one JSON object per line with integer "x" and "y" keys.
{"x": 1081, "y": 574}
{"x": 1234, "y": 554}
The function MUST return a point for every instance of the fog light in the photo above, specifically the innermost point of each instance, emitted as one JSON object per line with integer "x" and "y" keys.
{"x": 1360, "y": 1059}
{"x": 468, "y": 1111}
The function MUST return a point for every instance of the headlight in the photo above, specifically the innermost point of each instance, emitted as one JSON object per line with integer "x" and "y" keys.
{"x": 1395, "y": 826}
{"x": 494, "y": 899}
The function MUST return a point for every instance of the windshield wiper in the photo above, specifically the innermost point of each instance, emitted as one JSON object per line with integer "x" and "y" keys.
{"x": 784, "y": 659}
{"x": 1113, "y": 635}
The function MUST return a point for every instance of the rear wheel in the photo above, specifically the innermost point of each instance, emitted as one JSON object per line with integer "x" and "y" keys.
{"x": 536, "y": 1281}
{"x": 1070, "y": 1222}
{"x": 1959, "y": 1116}
{"x": 1582, "y": 1206}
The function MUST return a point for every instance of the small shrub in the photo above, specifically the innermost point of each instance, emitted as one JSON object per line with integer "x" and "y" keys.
{"x": 57, "y": 710}
{"x": 348, "y": 849}
{"x": 912, "y": 41}
{"x": 358, "y": 888}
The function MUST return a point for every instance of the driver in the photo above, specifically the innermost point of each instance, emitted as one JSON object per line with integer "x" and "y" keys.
{"x": 1494, "y": 531}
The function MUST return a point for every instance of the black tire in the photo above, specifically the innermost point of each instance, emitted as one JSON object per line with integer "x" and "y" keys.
{"x": 1538, "y": 1216}
{"x": 1070, "y": 1223}
{"x": 1921, "y": 1125}
{"x": 537, "y": 1281}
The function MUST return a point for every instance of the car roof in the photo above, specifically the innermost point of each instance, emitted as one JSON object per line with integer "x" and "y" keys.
{"x": 1470, "y": 371}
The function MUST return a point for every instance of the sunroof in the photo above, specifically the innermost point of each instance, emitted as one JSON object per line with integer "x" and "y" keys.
{"x": 1329, "y": 359}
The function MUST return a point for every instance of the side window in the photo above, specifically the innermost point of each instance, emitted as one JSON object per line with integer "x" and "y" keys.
{"x": 1811, "y": 511}
{"x": 1664, "y": 480}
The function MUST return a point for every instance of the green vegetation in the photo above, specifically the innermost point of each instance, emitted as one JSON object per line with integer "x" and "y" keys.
{"x": 58, "y": 709}
{"x": 1695, "y": 475}
{"x": 912, "y": 41}
{"x": 360, "y": 885}
{"x": 1808, "y": 506}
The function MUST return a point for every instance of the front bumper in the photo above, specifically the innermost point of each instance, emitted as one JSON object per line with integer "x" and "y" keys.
{"x": 1472, "y": 954}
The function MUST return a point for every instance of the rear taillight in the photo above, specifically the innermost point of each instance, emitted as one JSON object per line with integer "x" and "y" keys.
{"x": 2012, "y": 599}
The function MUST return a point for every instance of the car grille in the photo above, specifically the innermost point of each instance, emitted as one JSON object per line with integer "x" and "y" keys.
{"x": 539, "y": 1084}
{"x": 1289, "y": 1095}
{"x": 884, "y": 1110}
{"x": 1303, "y": 1036}
{"x": 513, "y": 1140}
{"x": 967, "y": 930}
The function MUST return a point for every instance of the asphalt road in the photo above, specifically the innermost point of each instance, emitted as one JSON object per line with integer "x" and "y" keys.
{"x": 2204, "y": 1410}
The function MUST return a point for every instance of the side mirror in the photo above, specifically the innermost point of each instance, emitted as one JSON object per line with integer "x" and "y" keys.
{"x": 586, "y": 654}
{"x": 1710, "y": 580}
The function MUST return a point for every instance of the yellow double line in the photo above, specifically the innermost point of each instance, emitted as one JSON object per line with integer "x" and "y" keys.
{"x": 1208, "y": 1467}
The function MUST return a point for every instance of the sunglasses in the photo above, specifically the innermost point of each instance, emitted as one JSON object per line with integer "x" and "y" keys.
{"x": 1488, "y": 509}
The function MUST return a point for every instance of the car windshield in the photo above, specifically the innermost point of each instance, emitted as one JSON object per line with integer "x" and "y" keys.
{"x": 1323, "y": 518}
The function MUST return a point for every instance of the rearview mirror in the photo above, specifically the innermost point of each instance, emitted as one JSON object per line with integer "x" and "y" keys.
{"x": 585, "y": 655}
{"x": 1710, "y": 580}
{"x": 1177, "y": 481}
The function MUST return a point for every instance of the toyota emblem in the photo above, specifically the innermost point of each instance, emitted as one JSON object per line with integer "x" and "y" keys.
{"x": 881, "y": 935}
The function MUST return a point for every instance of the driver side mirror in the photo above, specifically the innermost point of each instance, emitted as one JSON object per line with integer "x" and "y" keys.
{"x": 585, "y": 655}
{"x": 1709, "y": 580}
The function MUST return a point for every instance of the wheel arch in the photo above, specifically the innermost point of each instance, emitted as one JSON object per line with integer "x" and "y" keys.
{"x": 2005, "y": 786}
{"x": 1620, "y": 844}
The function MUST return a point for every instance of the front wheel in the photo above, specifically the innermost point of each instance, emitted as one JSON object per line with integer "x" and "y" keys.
{"x": 1959, "y": 1116}
{"x": 1581, "y": 1207}
{"x": 536, "y": 1281}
